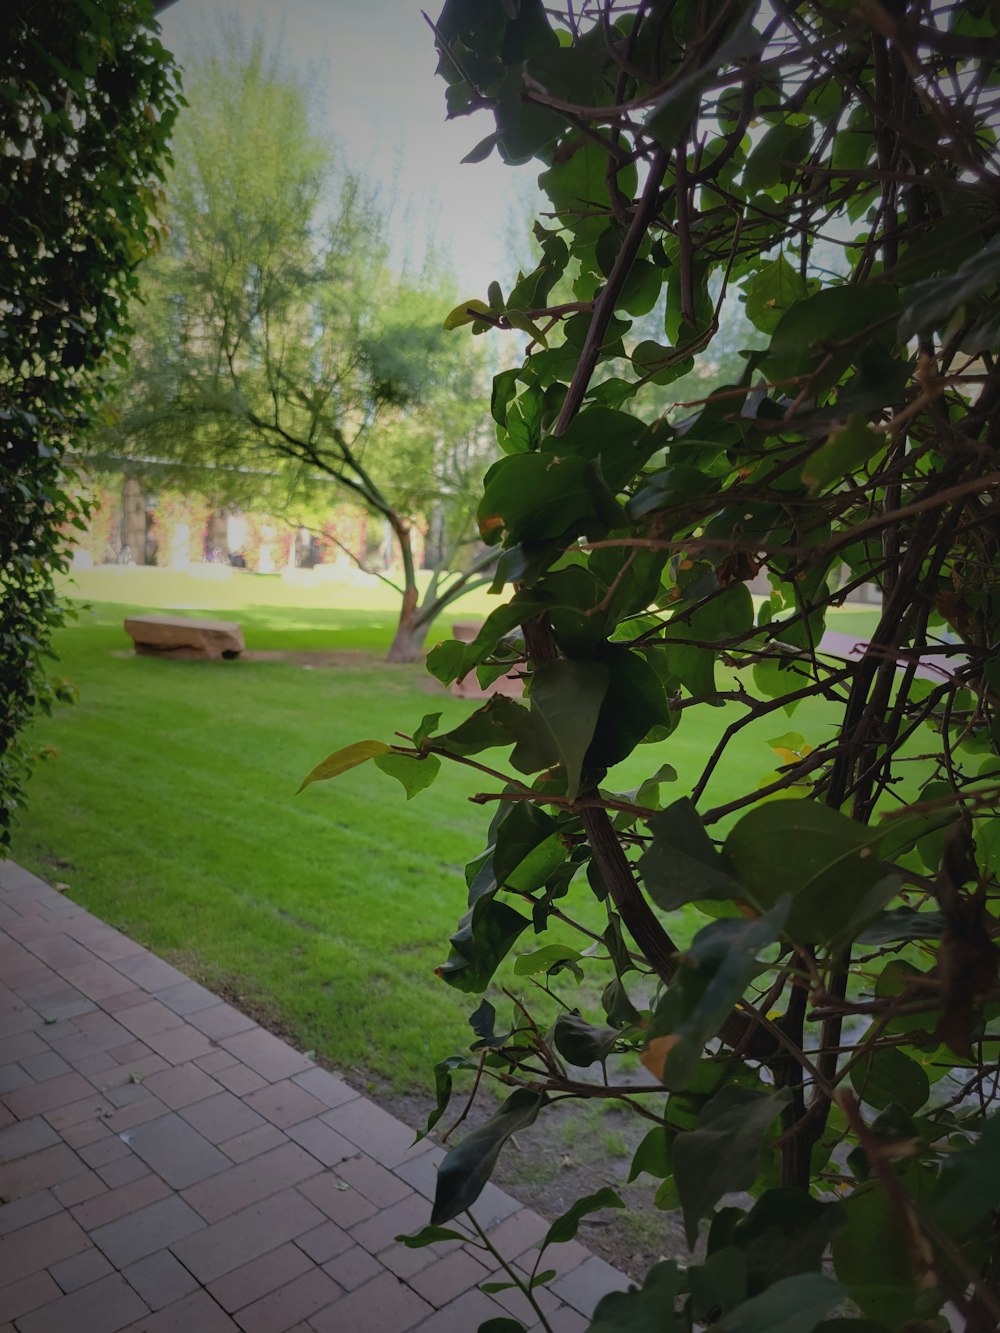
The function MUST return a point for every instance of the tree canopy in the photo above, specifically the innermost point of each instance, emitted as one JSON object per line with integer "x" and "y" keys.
{"x": 278, "y": 353}
{"x": 87, "y": 100}
{"x": 804, "y": 959}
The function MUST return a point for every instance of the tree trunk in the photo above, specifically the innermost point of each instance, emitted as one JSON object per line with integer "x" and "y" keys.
{"x": 408, "y": 643}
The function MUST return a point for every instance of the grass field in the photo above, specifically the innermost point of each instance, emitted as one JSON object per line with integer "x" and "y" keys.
{"x": 169, "y": 809}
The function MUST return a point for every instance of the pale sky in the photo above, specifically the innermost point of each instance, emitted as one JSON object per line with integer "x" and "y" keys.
{"x": 374, "y": 63}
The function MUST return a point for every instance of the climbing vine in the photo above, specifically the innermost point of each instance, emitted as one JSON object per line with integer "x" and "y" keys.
{"x": 87, "y": 99}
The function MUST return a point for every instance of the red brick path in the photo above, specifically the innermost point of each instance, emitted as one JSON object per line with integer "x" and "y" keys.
{"x": 166, "y": 1164}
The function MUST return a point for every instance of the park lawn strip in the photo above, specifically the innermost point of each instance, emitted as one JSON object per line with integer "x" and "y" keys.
{"x": 172, "y": 799}
{"x": 170, "y": 811}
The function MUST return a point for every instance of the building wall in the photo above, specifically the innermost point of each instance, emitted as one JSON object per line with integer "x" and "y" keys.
{"x": 168, "y": 528}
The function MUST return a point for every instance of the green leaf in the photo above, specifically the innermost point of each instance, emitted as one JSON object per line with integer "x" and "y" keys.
{"x": 714, "y": 971}
{"x": 651, "y": 1156}
{"x": 578, "y": 184}
{"x": 443, "y": 1088}
{"x": 445, "y": 660}
{"x": 414, "y": 774}
{"x": 871, "y": 1258}
{"x": 786, "y": 1232}
{"x": 682, "y": 865}
{"x": 718, "y": 1285}
{"x": 564, "y": 1228}
{"x": 501, "y": 1324}
{"x": 342, "y": 760}
{"x": 970, "y": 1182}
{"x": 725, "y": 619}
{"x": 931, "y": 304}
{"x": 545, "y": 959}
{"x": 722, "y": 1155}
{"x": 825, "y": 860}
{"x": 842, "y": 454}
{"x": 531, "y": 497}
{"x": 793, "y": 1305}
{"x": 887, "y": 1076}
{"x": 524, "y": 849}
{"x": 580, "y": 1043}
{"x": 430, "y": 1235}
{"x": 775, "y": 157}
{"x": 834, "y": 315}
{"x": 466, "y": 313}
{"x": 567, "y": 696}
{"x": 483, "y": 939}
{"x": 467, "y": 1168}
{"x": 903, "y": 923}
{"x": 773, "y": 290}
{"x": 649, "y": 1309}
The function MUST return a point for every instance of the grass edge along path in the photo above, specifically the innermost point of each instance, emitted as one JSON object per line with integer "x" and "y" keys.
{"x": 169, "y": 810}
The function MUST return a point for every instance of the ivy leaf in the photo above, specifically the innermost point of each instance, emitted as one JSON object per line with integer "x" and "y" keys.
{"x": 467, "y": 1168}
{"x": 567, "y": 696}
{"x": 721, "y": 1156}
{"x": 415, "y": 775}
{"x": 343, "y": 760}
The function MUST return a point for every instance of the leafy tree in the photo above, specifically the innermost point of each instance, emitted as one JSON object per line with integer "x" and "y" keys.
{"x": 807, "y": 965}
{"x": 275, "y": 334}
{"x": 87, "y": 99}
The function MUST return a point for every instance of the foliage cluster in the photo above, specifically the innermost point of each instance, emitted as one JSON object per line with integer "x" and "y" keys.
{"x": 277, "y": 352}
{"x": 87, "y": 100}
{"x": 826, "y": 1045}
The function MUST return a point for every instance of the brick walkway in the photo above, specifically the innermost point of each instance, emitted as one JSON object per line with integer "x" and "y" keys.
{"x": 166, "y": 1164}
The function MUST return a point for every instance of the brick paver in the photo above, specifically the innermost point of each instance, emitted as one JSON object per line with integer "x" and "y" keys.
{"x": 254, "y": 1280}
{"x": 170, "y": 1167}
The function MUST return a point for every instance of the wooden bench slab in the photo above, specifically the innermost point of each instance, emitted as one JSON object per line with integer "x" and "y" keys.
{"x": 184, "y": 637}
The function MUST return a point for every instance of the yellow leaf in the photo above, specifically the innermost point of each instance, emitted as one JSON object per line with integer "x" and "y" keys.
{"x": 341, "y": 760}
{"x": 466, "y": 313}
{"x": 654, "y": 1057}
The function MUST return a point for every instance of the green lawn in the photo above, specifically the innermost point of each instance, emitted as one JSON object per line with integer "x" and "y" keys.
{"x": 170, "y": 811}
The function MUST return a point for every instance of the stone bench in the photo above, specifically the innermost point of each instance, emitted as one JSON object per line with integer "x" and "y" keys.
{"x": 185, "y": 638}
